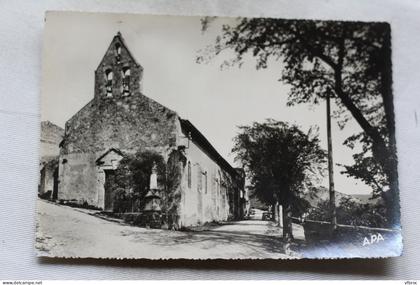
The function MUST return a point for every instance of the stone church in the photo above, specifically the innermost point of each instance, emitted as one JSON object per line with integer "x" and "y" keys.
{"x": 120, "y": 120}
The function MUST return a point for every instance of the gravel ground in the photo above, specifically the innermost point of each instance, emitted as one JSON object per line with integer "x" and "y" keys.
{"x": 63, "y": 231}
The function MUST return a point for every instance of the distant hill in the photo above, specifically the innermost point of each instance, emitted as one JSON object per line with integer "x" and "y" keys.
{"x": 366, "y": 198}
{"x": 323, "y": 194}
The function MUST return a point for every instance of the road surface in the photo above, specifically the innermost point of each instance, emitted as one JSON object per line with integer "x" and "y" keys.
{"x": 65, "y": 231}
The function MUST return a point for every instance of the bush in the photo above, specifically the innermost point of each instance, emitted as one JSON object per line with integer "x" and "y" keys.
{"x": 122, "y": 201}
{"x": 350, "y": 212}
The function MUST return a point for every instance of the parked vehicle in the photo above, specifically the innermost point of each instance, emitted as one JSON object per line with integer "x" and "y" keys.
{"x": 255, "y": 214}
{"x": 266, "y": 216}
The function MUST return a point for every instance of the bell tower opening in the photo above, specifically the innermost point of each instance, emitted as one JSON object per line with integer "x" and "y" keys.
{"x": 118, "y": 74}
{"x": 118, "y": 52}
{"x": 109, "y": 78}
{"x": 126, "y": 81}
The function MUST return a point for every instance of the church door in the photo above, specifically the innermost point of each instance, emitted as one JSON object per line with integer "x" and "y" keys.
{"x": 109, "y": 181}
{"x": 55, "y": 184}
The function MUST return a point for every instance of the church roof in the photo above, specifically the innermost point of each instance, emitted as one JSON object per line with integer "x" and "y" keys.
{"x": 119, "y": 152}
{"x": 118, "y": 38}
{"x": 190, "y": 130}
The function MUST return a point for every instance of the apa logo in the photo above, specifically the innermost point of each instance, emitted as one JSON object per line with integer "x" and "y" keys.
{"x": 375, "y": 238}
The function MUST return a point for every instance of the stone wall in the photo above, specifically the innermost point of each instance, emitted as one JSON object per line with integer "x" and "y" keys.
{"x": 123, "y": 123}
{"x": 202, "y": 202}
{"x": 128, "y": 124}
{"x": 51, "y": 133}
{"x": 51, "y": 136}
{"x": 47, "y": 179}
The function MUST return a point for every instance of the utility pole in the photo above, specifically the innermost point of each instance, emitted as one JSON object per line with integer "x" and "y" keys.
{"x": 331, "y": 167}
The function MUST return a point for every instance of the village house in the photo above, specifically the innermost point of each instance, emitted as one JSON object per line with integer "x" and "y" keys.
{"x": 51, "y": 136}
{"x": 120, "y": 120}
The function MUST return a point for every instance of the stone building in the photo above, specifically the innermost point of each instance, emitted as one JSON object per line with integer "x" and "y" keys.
{"x": 119, "y": 121}
{"x": 51, "y": 136}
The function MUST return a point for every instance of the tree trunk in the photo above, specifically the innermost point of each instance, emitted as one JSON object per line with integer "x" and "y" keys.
{"x": 280, "y": 215}
{"x": 273, "y": 212}
{"x": 393, "y": 209}
{"x": 287, "y": 227}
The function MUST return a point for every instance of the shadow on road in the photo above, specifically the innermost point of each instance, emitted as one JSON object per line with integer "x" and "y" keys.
{"x": 267, "y": 239}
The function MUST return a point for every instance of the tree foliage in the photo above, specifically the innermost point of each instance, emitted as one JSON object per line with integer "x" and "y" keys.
{"x": 351, "y": 212}
{"x": 349, "y": 61}
{"x": 281, "y": 161}
{"x": 132, "y": 179}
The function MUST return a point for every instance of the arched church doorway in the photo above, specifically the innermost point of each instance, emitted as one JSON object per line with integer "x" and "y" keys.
{"x": 109, "y": 182}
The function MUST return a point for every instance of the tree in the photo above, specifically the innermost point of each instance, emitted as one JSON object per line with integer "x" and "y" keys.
{"x": 282, "y": 163}
{"x": 133, "y": 177}
{"x": 132, "y": 181}
{"x": 350, "y": 61}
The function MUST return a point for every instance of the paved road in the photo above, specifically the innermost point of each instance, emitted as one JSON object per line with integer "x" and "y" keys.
{"x": 65, "y": 231}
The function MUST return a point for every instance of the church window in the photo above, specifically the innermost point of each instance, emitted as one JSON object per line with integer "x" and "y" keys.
{"x": 189, "y": 174}
{"x": 126, "y": 81}
{"x": 217, "y": 189}
{"x": 199, "y": 179}
{"x": 205, "y": 181}
{"x": 218, "y": 183}
{"x": 118, "y": 52}
{"x": 109, "y": 77}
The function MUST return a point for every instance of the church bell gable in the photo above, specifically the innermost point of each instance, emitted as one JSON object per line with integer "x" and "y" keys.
{"x": 118, "y": 75}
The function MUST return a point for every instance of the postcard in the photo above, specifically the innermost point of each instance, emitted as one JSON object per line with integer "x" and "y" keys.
{"x": 166, "y": 137}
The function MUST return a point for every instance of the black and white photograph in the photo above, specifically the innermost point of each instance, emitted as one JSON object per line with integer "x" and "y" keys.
{"x": 202, "y": 137}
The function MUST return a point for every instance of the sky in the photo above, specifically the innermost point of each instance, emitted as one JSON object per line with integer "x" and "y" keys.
{"x": 215, "y": 100}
